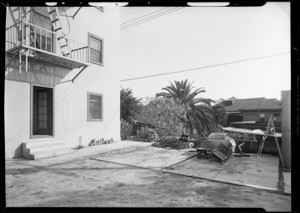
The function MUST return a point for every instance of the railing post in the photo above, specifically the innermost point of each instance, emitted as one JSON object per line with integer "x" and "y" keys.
{"x": 34, "y": 37}
{"x": 20, "y": 61}
{"x": 26, "y": 59}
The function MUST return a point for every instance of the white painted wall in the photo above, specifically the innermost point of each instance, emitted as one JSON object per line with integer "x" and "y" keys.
{"x": 70, "y": 99}
{"x": 16, "y": 116}
{"x": 97, "y": 79}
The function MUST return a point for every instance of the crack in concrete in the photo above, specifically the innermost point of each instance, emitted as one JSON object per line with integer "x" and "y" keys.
{"x": 196, "y": 177}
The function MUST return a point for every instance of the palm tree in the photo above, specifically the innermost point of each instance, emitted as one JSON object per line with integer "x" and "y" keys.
{"x": 220, "y": 113}
{"x": 199, "y": 113}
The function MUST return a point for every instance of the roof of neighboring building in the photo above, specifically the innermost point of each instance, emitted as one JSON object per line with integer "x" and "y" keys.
{"x": 231, "y": 99}
{"x": 254, "y": 104}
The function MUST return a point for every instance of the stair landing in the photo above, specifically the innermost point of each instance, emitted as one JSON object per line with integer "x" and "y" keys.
{"x": 45, "y": 149}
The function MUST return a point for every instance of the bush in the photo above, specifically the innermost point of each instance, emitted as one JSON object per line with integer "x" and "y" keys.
{"x": 175, "y": 143}
{"x": 172, "y": 142}
{"x": 146, "y": 133}
{"x": 126, "y": 129}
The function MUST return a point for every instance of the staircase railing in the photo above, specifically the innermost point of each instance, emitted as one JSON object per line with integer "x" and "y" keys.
{"x": 43, "y": 40}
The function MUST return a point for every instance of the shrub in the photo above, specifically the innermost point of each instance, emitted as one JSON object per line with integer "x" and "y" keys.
{"x": 165, "y": 114}
{"x": 126, "y": 129}
{"x": 146, "y": 133}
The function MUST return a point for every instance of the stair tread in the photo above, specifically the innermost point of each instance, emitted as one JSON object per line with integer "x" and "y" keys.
{"x": 48, "y": 154}
{"x": 43, "y": 143}
{"x": 52, "y": 11}
{"x": 55, "y": 20}
{"x": 57, "y": 29}
{"x": 48, "y": 148}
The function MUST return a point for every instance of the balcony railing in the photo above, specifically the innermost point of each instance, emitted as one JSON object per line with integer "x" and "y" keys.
{"x": 39, "y": 39}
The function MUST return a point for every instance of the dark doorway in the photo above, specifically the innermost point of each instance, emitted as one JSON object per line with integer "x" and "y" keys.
{"x": 42, "y": 111}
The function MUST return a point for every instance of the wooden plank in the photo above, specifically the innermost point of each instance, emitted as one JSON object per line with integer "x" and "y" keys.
{"x": 247, "y": 131}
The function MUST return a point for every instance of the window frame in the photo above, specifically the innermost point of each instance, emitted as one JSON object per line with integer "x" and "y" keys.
{"x": 89, "y": 106}
{"x": 32, "y": 134}
{"x": 101, "y": 51}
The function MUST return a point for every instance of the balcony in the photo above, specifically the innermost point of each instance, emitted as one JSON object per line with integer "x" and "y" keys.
{"x": 30, "y": 41}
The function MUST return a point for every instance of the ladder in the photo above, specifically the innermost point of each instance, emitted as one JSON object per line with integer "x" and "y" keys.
{"x": 58, "y": 28}
{"x": 270, "y": 130}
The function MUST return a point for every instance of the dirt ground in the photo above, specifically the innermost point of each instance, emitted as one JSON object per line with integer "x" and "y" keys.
{"x": 102, "y": 181}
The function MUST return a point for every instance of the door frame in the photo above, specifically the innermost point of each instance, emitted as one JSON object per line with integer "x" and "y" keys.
{"x": 33, "y": 136}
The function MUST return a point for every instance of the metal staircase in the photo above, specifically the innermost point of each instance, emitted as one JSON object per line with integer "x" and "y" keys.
{"x": 28, "y": 43}
{"x": 58, "y": 28}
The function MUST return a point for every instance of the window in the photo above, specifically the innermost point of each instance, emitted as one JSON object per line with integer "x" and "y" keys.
{"x": 94, "y": 107}
{"x": 276, "y": 114}
{"x": 96, "y": 49}
{"x": 39, "y": 37}
{"x": 261, "y": 117}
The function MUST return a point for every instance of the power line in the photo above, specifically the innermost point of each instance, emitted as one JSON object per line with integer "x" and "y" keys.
{"x": 205, "y": 67}
{"x": 142, "y": 19}
{"x": 143, "y": 16}
{"x": 150, "y": 18}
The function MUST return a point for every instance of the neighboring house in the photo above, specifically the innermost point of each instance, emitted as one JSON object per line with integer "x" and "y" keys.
{"x": 61, "y": 79}
{"x": 254, "y": 113}
{"x": 252, "y": 109}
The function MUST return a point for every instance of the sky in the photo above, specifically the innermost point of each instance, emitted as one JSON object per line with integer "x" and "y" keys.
{"x": 239, "y": 51}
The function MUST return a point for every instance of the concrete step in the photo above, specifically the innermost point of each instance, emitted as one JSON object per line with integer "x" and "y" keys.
{"x": 44, "y": 149}
{"x": 48, "y": 147}
{"x": 52, "y": 153}
{"x": 43, "y": 142}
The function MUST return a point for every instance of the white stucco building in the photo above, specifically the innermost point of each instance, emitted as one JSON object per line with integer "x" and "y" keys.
{"x": 62, "y": 83}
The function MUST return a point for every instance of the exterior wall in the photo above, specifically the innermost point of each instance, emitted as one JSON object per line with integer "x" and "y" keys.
{"x": 70, "y": 99}
{"x": 16, "y": 117}
{"x": 254, "y": 116}
{"x": 97, "y": 79}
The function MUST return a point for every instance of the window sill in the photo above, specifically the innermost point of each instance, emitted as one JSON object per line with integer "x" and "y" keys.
{"x": 95, "y": 120}
{"x": 41, "y": 136}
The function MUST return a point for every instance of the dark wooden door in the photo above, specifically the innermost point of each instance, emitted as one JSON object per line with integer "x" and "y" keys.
{"x": 42, "y": 111}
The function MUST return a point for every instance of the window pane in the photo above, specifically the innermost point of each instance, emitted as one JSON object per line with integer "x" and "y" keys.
{"x": 95, "y": 56}
{"x": 95, "y": 107}
{"x": 42, "y": 21}
{"x": 95, "y": 43}
{"x": 40, "y": 102}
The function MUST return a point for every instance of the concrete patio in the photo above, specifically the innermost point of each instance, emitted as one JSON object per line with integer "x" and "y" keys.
{"x": 128, "y": 173}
